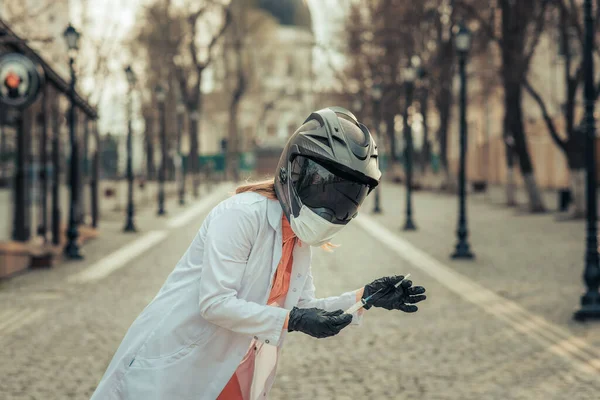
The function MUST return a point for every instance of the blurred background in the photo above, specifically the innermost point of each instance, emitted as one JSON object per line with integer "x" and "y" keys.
{"x": 234, "y": 81}
{"x": 147, "y": 106}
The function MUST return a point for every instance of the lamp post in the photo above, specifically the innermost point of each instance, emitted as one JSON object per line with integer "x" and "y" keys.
{"x": 376, "y": 95}
{"x": 161, "y": 97}
{"x": 590, "y": 301}
{"x": 462, "y": 42}
{"x": 72, "y": 249}
{"x": 180, "y": 115}
{"x": 129, "y": 224}
{"x": 410, "y": 75}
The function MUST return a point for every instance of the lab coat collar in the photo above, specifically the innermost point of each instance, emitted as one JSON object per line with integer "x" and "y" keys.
{"x": 274, "y": 212}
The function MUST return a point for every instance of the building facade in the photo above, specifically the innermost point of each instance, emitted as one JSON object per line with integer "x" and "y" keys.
{"x": 277, "y": 53}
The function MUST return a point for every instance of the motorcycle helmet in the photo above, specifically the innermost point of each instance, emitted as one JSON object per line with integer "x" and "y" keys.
{"x": 330, "y": 165}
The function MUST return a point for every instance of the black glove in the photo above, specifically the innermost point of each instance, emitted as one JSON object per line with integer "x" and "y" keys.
{"x": 318, "y": 323}
{"x": 401, "y": 298}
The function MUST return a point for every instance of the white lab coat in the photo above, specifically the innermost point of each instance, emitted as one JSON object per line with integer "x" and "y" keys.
{"x": 188, "y": 342}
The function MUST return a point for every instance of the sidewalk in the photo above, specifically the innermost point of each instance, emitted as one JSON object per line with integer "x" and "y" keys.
{"x": 532, "y": 259}
{"x": 110, "y": 236}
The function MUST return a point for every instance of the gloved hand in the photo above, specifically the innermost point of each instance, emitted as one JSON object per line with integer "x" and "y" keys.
{"x": 318, "y": 323}
{"x": 401, "y": 298}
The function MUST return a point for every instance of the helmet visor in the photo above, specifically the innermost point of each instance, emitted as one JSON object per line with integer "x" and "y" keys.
{"x": 329, "y": 194}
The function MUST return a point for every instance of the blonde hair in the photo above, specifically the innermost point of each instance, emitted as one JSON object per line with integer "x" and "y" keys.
{"x": 267, "y": 188}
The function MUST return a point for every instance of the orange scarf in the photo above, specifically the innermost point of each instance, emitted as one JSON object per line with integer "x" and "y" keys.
{"x": 281, "y": 281}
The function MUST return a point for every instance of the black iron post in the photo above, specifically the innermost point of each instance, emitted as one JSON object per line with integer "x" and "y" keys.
{"x": 462, "y": 250}
{"x": 72, "y": 248}
{"x": 377, "y": 93}
{"x": 95, "y": 178}
{"x": 129, "y": 224}
{"x": 43, "y": 227}
{"x": 590, "y": 301}
{"x": 163, "y": 142}
{"x": 55, "y": 175}
{"x": 84, "y": 175}
{"x": 180, "y": 115}
{"x": 410, "y": 76}
{"x": 20, "y": 221}
{"x": 2, "y": 145}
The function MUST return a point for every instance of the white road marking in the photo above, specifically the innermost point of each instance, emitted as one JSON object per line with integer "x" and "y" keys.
{"x": 119, "y": 258}
{"x": 124, "y": 255}
{"x": 13, "y": 319}
{"x": 552, "y": 337}
{"x": 202, "y": 206}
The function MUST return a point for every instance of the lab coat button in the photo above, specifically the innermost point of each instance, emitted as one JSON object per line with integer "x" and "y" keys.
{"x": 294, "y": 290}
{"x": 255, "y": 337}
{"x": 299, "y": 275}
{"x": 267, "y": 341}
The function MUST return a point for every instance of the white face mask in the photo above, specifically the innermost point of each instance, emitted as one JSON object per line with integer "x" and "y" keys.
{"x": 313, "y": 229}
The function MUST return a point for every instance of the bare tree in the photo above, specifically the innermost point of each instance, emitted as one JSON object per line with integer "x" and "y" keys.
{"x": 522, "y": 23}
{"x": 193, "y": 62}
{"x": 572, "y": 140}
{"x": 155, "y": 42}
{"x": 382, "y": 36}
{"x": 96, "y": 53}
{"x": 20, "y": 15}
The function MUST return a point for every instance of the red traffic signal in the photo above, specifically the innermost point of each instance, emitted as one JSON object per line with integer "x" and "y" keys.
{"x": 12, "y": 80}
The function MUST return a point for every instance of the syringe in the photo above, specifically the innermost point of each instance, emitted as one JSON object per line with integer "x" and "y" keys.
{"x": 360, "y": 304}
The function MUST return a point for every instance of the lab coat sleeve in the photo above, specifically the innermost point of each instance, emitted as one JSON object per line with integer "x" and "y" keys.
{"x": 228, "y": 242}
{"x": 342, "y": 302}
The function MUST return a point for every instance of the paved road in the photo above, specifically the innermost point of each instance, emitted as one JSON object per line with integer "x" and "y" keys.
{"x": 454, "y": 348}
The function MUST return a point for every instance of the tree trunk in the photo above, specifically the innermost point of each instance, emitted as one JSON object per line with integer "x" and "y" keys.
{"x": 514, "y": 122}
{"x": 193, "y": 157}
{"x": 150, "y": 170}
{"x": 511, "y": 187}
{"x": 574, "y": 151}
{"x": 426, "y": 149}
{"x": 391, "y": 133}
{"x": 444, "y": 111}
{"x": 233, "y": 170}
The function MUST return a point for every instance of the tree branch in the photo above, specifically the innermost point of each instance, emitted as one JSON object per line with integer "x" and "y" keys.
{"x": 572, "y": 13}
{"x": 216, "y": 38}
{"x": 547, "y": 119}
{"x": 473, "y": 13}
{"x": 537, "y": 32}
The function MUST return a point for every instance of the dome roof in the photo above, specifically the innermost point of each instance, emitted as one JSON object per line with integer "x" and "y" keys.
{"x": 288, "y": 12}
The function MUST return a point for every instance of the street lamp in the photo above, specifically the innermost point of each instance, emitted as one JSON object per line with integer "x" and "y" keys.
{"x": 180, "y": 115}
{"x": 72, "y": 249}
{"x": 131, "y": 79}
{"x": 410, "y": 75}
{"x": 376, "y": 95}
{"x": 462, "y": 42}
{"x": 161, "y": 96}
{"x": 590, "y": 301}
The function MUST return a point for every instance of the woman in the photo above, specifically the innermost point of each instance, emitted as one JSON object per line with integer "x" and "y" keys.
{"x": 215, "y": 328}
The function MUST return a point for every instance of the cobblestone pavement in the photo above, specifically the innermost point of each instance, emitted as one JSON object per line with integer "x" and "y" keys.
{"x": 536, "y": 260}
{"x": 450, "y": 349}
